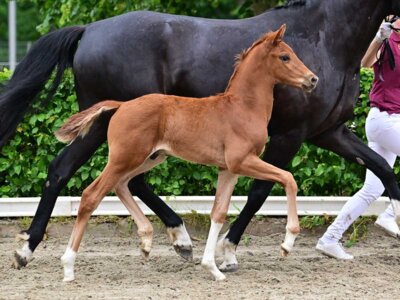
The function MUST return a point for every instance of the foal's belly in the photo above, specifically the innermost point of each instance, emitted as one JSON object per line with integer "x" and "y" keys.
{"x": 194, "y": 153}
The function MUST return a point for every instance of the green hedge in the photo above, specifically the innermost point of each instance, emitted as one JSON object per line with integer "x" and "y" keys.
{"x": 24, "y": 160}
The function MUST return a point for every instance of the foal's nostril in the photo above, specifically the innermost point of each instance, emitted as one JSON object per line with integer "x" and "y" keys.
{"x": 314, "y": 80}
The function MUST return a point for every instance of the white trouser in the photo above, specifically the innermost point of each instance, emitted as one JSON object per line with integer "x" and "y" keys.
{"x": 383, "y": 134}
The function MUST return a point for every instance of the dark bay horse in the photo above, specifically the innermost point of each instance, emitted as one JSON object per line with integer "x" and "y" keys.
{"x": 143, "y": 52}
{"x": 144, "y": 131}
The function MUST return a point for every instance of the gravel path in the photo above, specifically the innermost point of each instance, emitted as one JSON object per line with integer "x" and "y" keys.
{"x": 109, "y": 266}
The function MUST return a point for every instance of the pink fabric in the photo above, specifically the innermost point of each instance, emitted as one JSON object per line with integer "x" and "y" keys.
{"x": 385, "y": 95}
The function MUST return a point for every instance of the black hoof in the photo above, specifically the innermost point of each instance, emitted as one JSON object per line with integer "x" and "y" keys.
{"x": 185, "y": 252}
{"x": 229, "y": 268}
{"x": 19, "y": 261}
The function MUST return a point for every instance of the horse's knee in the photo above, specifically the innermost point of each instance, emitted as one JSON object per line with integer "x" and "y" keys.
{"x": 289, "y": 183}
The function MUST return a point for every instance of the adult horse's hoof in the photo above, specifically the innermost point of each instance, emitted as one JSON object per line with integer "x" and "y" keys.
{"x": 186, "y": 252}
{"x": 181, "y": 241}
{"x": 228, "y": 268}
{"x": 23, "y": 255}
{"x": 19, "y": 261}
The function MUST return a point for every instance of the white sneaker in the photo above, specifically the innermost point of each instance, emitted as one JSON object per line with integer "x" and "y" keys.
{"x": 334, "y": 250}
{"x": 389, "y": 225}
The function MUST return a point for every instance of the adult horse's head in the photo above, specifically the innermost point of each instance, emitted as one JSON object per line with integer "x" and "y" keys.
{"x": 286, "y": 67}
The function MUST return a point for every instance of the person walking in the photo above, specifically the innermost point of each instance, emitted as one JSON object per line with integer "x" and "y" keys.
{"x": 383, "y": 133}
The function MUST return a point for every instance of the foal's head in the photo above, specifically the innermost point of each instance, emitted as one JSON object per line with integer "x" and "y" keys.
{"x": 284, "y": 64}
{"x": 274, "y": 58}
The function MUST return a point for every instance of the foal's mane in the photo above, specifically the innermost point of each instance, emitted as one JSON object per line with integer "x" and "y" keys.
{"x": 239, "y": 58}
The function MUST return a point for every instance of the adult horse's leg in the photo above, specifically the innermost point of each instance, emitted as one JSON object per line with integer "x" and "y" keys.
{"x": 279, "y": 152}
{"x": 345, "y": 143}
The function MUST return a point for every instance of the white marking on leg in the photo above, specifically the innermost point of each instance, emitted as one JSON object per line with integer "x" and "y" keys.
{"x": 288, "y": 243}
{"x": 22, "y": 237}
{"x": 25, "y": 252}
{"x": 68, "y": 261}
{"x": 230, "y": 262}
{"x": 220, "y": 249}
{"x": 396, "y": 209}
{"x": 179, "y": 236}
{"x": 208, "y": 261}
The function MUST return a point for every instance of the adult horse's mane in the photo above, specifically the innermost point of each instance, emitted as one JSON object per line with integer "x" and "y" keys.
{"x": 291, "y": 3}
{"x": 242, "y": 55}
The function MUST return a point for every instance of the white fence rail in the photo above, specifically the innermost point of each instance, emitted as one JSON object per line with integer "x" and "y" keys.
{"x": 274, "y": 206}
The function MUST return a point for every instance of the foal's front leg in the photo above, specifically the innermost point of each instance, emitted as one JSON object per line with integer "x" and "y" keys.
{"x": 225, "y": 186}
{"x": 253, "y": 166}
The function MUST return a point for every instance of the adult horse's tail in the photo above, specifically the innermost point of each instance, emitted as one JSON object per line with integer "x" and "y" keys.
{"x": 54, "y": 50}
{"x": 80, "y": 123}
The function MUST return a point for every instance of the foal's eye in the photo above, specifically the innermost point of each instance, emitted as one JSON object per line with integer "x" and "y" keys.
{"x": 284, "y": 58}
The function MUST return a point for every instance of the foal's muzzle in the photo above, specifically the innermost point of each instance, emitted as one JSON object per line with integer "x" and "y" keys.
{"x": 310, "y": 83}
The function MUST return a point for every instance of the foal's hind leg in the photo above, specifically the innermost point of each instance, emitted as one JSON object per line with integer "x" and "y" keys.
{"x": 91, "y": 197}
{"x": 60, "y": 171}
{"x": 145, "y": 229}
{"x": 225, "y": 186}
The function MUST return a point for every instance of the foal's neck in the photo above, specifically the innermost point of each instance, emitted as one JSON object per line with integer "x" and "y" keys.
{"x": 252, "y": 87}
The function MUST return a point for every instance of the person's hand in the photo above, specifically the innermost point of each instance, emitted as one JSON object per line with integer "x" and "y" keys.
{"x": 383, "y": 32}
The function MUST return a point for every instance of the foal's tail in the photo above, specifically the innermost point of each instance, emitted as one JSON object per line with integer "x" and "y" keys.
{"x": 54, "y": 50}
{"x": 80, "y": 123}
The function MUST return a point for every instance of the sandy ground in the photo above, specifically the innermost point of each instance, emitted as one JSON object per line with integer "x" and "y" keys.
{"x": 109, "y": 266}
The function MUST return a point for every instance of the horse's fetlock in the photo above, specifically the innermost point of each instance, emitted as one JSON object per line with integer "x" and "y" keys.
{"x": 147, "y": 230}
{"x": 218, "y": 217}
{"x": 293, "y": 229}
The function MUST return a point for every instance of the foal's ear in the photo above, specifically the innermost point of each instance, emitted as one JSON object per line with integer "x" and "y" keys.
{"x": 279, "y": 35}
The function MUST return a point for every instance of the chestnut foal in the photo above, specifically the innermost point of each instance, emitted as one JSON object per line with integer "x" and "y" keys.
{"x": 228, "y": 131}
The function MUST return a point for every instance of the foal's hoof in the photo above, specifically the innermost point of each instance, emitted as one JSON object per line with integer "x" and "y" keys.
{"x": 228, "y": 267}
{"x": 145, "y": 254}
{"x": 19, "y": 261}
{"x": 284, "y": 252}
{"x": 186, "y": 252}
